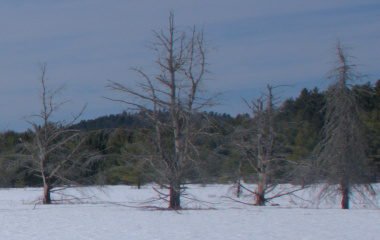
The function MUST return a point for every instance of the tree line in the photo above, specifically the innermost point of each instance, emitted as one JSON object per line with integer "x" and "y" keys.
{"x": 329, "y": 137}
{"x": 116, "y": 135}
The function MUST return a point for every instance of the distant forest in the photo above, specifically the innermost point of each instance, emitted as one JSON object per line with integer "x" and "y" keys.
{"x": 116, "y": 137}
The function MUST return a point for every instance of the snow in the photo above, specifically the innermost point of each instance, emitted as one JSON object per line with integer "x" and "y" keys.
{"x": 115, "y": 212}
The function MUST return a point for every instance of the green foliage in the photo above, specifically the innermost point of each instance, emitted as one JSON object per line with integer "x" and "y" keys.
{"x": 369, "y": 98}
{"x": 303, "y": 122}
{"x": 120, "y": 137}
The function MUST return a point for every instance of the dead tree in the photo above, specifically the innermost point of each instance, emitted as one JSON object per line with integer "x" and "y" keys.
{"x": 342, "y": 155}
{"x": 53, "y": 151}
{"x": 170, "y": 101}
{"x": 260, "y": 143}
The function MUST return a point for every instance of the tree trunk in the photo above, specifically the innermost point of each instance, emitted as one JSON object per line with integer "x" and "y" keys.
{"x": 260, "y": 193}
{"x": 175, "y": 195}
{"x": 47, "y": 193}
{"x": 260, "y": 196}
{"x": 138, "y": 182}
{"x": 47, "y": 188}
{"x": 238, "y": 190}
{"x": 345, "y": 196}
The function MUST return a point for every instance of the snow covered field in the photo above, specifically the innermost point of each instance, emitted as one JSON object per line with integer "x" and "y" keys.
{"x": 116, "y": 214}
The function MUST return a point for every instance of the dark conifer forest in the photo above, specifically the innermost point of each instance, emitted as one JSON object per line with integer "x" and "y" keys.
{"x": 118, "y": 138}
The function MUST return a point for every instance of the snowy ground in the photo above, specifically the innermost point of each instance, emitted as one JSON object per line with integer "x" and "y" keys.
{"x": 115, "y": 214}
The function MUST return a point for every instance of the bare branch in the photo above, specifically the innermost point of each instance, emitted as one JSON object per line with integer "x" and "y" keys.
{"x": 170, "y": 100}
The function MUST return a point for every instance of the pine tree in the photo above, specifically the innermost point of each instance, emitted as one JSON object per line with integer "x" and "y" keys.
{"x": 343, "y": 153}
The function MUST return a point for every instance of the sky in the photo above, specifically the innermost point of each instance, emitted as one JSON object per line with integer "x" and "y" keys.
{"x": 85, "y": 43}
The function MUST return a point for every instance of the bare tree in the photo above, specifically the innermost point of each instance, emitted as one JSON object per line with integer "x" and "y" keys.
{"x": 261, "y": 144}
{"x": 342, "y": 155}
{"x": 53, "y": 151}
{"x": 171, "y": 101}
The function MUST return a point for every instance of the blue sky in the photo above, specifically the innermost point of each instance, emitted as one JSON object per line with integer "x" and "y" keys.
{"x": 87, "y": 42}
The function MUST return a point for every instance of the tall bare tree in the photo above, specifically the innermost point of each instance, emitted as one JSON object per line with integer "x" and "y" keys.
{"x": 53, "y": 151}
{"x": 261, "y": 144}
{"x": 342, "y": 155}
{"x": 170, "y": 101}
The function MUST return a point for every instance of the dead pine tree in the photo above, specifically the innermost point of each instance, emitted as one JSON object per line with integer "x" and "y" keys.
{"x": 53, "y": 151}
{"x": 342, "y": 156}
{"x": 170, "y": 101}
{"x": 260, "y": 144}
{"x": 265, "y": 144}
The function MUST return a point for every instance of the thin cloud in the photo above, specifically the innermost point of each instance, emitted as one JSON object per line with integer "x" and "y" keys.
{"x": 87, "y": 42}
